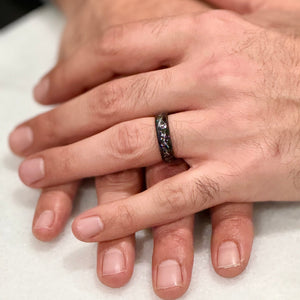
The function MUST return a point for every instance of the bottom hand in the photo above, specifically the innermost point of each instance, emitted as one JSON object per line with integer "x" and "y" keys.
{"x": 173, "y": 253}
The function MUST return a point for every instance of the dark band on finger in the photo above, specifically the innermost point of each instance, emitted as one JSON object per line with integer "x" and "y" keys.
{"x": 164, "y": 138}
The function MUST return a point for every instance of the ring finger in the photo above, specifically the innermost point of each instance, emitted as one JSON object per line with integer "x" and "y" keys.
{"x": 125, "y": 146}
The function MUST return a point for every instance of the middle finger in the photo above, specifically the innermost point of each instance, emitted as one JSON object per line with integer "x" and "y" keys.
{"x": 128, "y": 145}
{"x": 111, "y": 103}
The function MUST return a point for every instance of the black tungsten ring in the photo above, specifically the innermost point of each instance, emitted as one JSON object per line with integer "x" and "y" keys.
{"x": 164, "y": 138}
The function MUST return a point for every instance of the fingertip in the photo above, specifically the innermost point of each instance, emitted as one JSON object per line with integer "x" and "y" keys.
{"x": 87, "y": 227}
{"x": 32, "y": 170}
{"x": 75, "y": 230}
{"x": 48, "y": 225}
{"x": 53, "y": 211}
{"x": 20, "y": 139}
{"x": 173, "y": 257}
{"x": 171, "y": 279}
{"x": 112, "y": 270}
{"x": 41, "y": 89}
{"x": 229, "y": 261}
{"x": 45, "y": 234}
{"x": 115, "y": 261}
{"x": 231, "y": 246}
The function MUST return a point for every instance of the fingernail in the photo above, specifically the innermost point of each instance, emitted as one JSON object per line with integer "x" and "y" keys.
{"x": 113, "y": 262}
{"x": 45, "y": 220}
{"x": 228, "y": 255}
{"x": 169, "y": 274}
{"x": 21, "y": 138}
{"x": 41, "y": 89}
{"x": 89, "y": 227}
{"x": 32, "y": 170}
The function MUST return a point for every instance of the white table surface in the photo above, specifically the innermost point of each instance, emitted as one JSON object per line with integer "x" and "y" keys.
{"x": 65, "y": 268}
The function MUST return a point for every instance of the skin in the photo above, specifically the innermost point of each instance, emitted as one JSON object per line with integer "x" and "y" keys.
{"x": 238, "y": 225}
{"x": 263, "y": 136}
{"x": 216, "y": 218}
{"x": 59, "y": 199}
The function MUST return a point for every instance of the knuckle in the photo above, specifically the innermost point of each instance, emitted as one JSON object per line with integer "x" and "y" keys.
{"x": 216, "y": 17}
{"x": 126, "y": 216}
{"x": 158, "y": 27}
{"x": 222, "y": 15}
{"x": 221, "y": 73}
{"x": 178, "y": 238}
{"x": 47, "y": 132}
{"x": 144, "y": 88}
{"x": 111, "y": 41}
{"x": 279, "y": 144}
{"x": 233, "y": 223}
{"x": 200, "y": 192}
{"x": 174, "y": 199}
{"x": 106, "y": 101}
{"x": 128, "y": 141}
{"x": 66, "y": 161}
{"x": 206, "y": 190}
{"x": 123, "y": 177}
{"x": 61, "y": 200}
{"x": 225, "y": 72}
{"x": 274, "y": 146}
{"x": 222, "y": 23}
{"x": 269, "y": 148}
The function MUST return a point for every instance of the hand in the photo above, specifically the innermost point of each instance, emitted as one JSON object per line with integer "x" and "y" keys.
{"x": 88, "y": 19}
{"x": 59, "y": 200}
{"x": 247, "y": 90}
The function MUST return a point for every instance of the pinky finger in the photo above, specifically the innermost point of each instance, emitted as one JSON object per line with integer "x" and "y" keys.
{"x": 53, "y": 210}
{"x": 232, "y": 237}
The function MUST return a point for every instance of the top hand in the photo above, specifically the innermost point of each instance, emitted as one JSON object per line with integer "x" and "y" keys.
{"x": 229, "y": 85}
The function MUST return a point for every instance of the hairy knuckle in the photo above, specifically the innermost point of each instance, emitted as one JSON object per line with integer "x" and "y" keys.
{"x": 206, "y": 190}
{"x": 128, "y": 143}
{"x": 144, "y": 88}
{"x": 139, "y": 88}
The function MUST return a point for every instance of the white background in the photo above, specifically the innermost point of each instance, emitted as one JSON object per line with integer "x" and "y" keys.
{"x": 65, "y": 268}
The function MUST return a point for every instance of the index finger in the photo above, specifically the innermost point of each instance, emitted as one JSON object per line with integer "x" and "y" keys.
{"x": 165, "y": 202}
{"x": 122, "y": 50}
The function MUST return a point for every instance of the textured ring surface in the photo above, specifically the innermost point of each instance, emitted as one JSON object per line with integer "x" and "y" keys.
{"x": 163, "y": 137}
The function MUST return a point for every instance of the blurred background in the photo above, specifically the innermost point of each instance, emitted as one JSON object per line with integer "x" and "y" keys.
{"x": 11, "y": 10}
